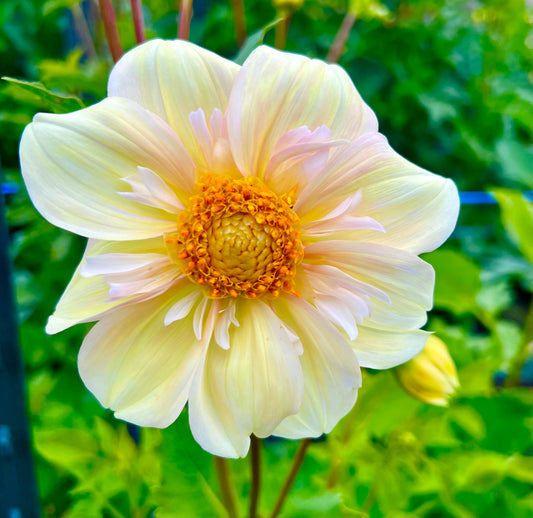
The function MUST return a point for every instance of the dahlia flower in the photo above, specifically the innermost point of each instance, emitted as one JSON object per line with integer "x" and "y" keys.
{"x": 253, "y": 241}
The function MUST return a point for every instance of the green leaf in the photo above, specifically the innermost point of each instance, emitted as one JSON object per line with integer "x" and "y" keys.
{"x": 55, "y": 102}
{"x": 319, "y": 505}
{"x": 510, "y": 336}
{"x": 69, "y": 448}
{"x": 457, "y": 281}
{"x": 466, "y": 423}
{"x": 254, "y": 41}
{"x": 520, "y": 468}
{"x": 516, "y": 160}
{"x": 517, "y": 218}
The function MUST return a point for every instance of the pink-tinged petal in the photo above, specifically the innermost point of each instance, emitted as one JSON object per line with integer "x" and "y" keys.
{"x": 343, "y": 300}
{"x": 122, "y": 263}
{"x": 382, "y": 349}
{"x": 326, "y": 278}
{"x": 249, "y": 388}
{"x": 212, "y": 140}
{"x": 87, "y": 298}
{"x": 341, "y": 219}
{"x": 298, "y": 156}
{"x": 149, "y": 189}
{"x": 406, "y": 280}
{"x": 139, "y": 367}
{"x": 73, "y": 166}
{"x": 417, "y": 209}
{"x": 130, "y": 275}
{"x": 173, "y": 79}
{"x": 276, "y": 92}
{"x": 331, "y": 372}
{"x": 338, "y": 311}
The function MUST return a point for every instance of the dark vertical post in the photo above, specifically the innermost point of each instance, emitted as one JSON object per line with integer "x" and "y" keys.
{"x": 18, "y": 487}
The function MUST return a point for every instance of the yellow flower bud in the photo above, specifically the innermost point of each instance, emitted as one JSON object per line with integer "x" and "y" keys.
{"x": 430, "y": 376}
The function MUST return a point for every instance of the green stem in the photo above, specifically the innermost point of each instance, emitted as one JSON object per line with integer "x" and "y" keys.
{"x": 226, "y": 485}
{"x": 282, "y": 28}
{"x": 255, "y": 457}
{"x": 110, "y": 28}
{"x": 296, "y": 465}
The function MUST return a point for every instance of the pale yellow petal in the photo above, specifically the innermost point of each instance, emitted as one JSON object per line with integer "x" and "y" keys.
{"x": 173, "y": 79}
{"x": 249, "y": 388}
{"x": 417, "y": 209}
{"x": 383, "y": 349}
{"x": 404, "y": 278}
{"x": 73, "y": 166}
{"x": 86, "y": 298}
{"x": 139, "y": 367}
{"x": 276, "y": 92}
{"x": 330, "y": 368}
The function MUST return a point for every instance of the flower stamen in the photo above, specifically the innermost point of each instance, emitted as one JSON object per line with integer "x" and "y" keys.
{"x": 237, "y": 238}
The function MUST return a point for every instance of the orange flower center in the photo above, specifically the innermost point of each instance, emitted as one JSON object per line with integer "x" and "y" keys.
{"x": 238, "y": 238}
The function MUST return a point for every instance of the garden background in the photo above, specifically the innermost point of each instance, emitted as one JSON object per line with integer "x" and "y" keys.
{"x": 451, "y": 84}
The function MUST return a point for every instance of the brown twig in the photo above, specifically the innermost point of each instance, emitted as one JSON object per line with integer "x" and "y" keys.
{"x": 138, "y": 20}
{"x": 226, "y": 486}
{"x": 185, "y": 19}
{"x": 240, "y": 20}
{"x": 255, "y": 458}
{"x": 110, "y": 28}
{"x": 340, "y": 39}
{"x": 296, "y": 465}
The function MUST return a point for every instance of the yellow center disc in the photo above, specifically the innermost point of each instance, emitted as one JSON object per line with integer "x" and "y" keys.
{"x": 238, "y": 238}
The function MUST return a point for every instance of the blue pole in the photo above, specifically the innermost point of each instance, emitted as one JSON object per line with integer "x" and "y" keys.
{"x": 18, "y": 487}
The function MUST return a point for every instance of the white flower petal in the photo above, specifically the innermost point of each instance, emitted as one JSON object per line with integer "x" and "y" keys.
{"x": 341, "y": 218}
{"x": 225, "y": 319}
{"x": 183, "y": 307}
{"x": 298, "y": 156}
{"x": 137, "y": 366}
{"x": 198, "y": 319}
{"x": 173, "y": 79}
{"x": 405, "y": 278}
{"x": 326, "y": 278}
{"x": 73, "y": 166}
{"x": 337, "y": 312}
{"x": 417, "y": 209}
{"x": 121, "y": 263}
{"x": 156, "y": 191}
{"x": 249, "y": 388}
{"x": 157, "y": 282}
{"x": 87, "y": 298}
{"x": 382, "y": 349}
{"x": 276, "y": 92}
{"x": 331, "y": 372}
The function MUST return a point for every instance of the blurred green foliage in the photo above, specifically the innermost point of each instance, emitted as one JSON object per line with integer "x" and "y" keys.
{"x": 451, "y": 85}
